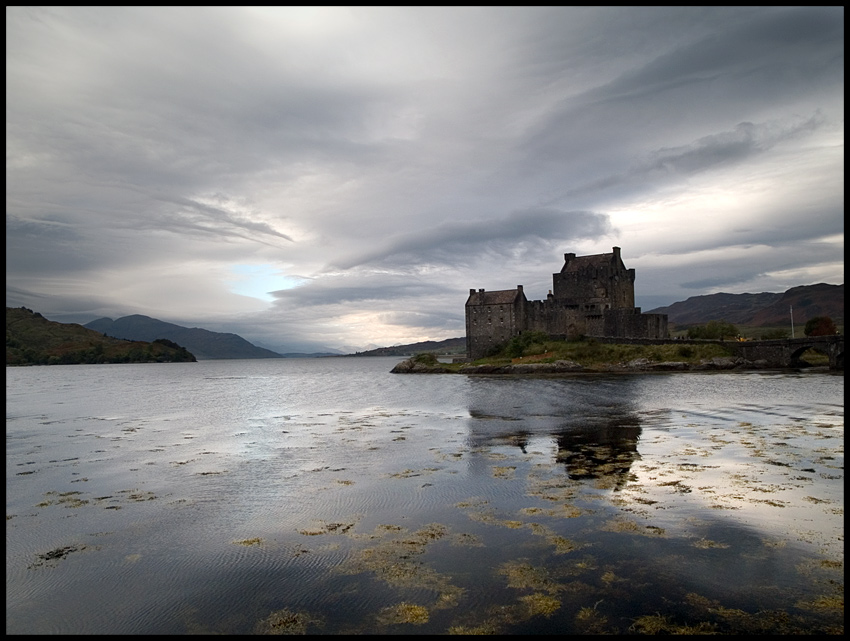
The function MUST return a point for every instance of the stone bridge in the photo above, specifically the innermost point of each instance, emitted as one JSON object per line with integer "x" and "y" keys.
{"x": 787, "y": 352}
{"x": 781, "y": 353}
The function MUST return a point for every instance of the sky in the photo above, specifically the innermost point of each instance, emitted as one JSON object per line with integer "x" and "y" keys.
{"x": 340, "y": 177}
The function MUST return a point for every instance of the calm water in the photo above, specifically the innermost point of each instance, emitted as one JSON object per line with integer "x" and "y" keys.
{"x": 329, "y": 496}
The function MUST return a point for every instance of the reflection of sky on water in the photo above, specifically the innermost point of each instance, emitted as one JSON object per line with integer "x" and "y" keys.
{"x": 467, "y": 497}
{"x": 771, "y": 471}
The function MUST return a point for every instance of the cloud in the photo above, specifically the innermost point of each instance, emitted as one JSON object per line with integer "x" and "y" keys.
{"x": 795, "y": 46}
{"x": 723, "y": 149}
{"x": 391, "y": 158}
{"x": 759, "y": 64}
{"x": 463, "y": 242}
{"x": 204, "y": 218}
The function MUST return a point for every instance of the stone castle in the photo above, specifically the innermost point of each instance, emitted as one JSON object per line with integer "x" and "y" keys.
{"x": 591, "y": 296}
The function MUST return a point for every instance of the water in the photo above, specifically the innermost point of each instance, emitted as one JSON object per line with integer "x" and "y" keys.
{"x": 328, "y": 496}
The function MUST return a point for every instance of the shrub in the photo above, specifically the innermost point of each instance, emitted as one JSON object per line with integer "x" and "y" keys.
{"x": 820, "y": 326}
{"x": 526, "y": 343}
{"x": 426, "y": 358}
{"x": 685, "y": 351}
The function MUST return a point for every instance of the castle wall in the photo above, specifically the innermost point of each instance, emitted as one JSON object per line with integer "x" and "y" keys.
{"x": 553, "y": 317}
{"x": 488, "y": 325}
{"x": 595, "y": 325}
{"x": 630, "y": 323}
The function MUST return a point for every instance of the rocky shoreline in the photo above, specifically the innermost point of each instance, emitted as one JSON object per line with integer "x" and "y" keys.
{"x": 413, "y": 366}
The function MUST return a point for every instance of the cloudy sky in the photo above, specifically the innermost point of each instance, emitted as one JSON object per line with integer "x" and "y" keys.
{"x": 315, "y": 178}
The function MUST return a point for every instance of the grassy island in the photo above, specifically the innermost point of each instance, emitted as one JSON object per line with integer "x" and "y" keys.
{"x": 534, "y": 352}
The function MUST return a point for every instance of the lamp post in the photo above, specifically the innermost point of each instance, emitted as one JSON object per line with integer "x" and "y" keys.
{"x": 792, "y": 321}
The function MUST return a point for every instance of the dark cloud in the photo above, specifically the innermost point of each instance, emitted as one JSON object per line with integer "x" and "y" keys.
{"x": 206, "y": 218}
{"x": 461, "y": 242}
{"x": 787, "y": 47}
{"x": 747, "y": 67}
{"x": 725, "y": 148}
{"x": 731, "y": 146}
{"x": 336, "y": 291}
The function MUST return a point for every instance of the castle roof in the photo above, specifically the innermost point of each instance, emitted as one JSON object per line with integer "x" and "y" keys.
{"x": 577, "y": 263}
{"x": 498, "y": 297}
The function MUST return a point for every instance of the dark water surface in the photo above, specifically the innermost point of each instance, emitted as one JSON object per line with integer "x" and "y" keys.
{"x": 328, "y": 496}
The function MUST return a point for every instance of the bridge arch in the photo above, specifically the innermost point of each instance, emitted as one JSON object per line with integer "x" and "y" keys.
{"x": 796, "y": 358}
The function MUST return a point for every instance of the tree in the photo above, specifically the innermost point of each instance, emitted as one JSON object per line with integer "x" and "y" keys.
{"x": 820, "y": 326}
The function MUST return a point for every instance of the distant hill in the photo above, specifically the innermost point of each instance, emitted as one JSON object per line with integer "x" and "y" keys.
{"x": 448, "y": 346}
{"x": 203, "y": 343}
{"x": 309, "y": 354}
{"x": 31, "y": 339}
{"x": 760, "y": 310}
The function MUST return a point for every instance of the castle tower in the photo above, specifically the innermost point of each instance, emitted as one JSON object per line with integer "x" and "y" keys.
{"x": 595, "y": 283}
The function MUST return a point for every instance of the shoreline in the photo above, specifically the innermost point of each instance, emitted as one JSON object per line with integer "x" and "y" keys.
{"x": 719, "y": 364}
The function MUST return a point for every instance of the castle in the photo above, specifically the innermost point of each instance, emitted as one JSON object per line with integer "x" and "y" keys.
{"x": 590, "y": 296}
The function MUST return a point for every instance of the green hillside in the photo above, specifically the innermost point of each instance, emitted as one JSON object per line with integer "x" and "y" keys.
{"x": 31, "y": 339}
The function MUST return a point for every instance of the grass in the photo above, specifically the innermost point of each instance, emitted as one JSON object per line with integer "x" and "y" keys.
{"x": 590, "y": 353}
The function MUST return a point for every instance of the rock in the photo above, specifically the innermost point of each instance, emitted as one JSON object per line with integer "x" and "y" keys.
{"x": 669, "y": 366}
{"x": 567, "y": 366}
{"x": 639, "y": 364}
{"x": 721, "y": 362}
{"x": 412, "y": 366}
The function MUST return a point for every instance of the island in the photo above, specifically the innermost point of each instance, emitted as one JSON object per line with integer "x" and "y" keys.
{"x": 538, "y": 353}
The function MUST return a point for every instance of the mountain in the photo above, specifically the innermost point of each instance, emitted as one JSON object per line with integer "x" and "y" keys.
{"x": 203, "y": 343}
{"x": 31, "y": 339}
{"x": 760, "y": 310}
{"x": 808, "y": 302}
